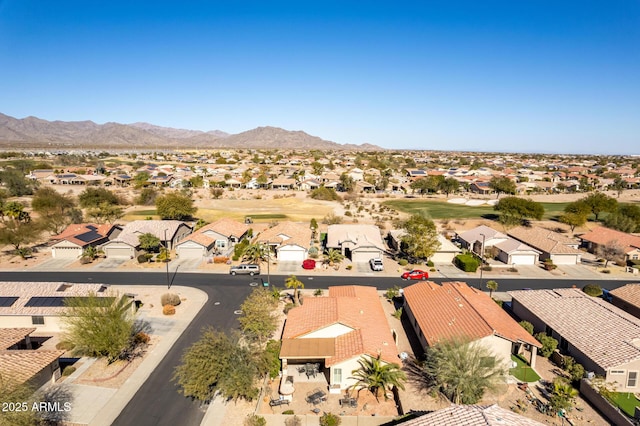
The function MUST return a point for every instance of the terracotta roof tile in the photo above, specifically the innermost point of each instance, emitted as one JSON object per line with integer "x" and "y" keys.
{"x": 11, "y": 336}
{"x": 630, "y": 293}
{"x": 23, "y": 365}
{"x": 286, "y": 233}
{"x": 227, "y": 227}
{"x": 357, "y": 308}
{"x": 454, "y": 310}
{"x": 544, "y": 240}
{"x": 601, "y": 235}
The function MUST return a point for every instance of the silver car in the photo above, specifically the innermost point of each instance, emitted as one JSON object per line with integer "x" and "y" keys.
{"x": 246, "y": 269}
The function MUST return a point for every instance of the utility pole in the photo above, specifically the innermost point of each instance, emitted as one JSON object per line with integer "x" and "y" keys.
{"x": 481, "y": 261}
{"x": 167, "y": 259}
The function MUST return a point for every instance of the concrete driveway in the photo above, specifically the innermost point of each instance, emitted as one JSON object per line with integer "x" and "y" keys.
{"x": 286, "y": 268}
{"x": 53, "y": 264}
{"x": 183, "y": 265}
{"x": 579, "y": 271}
{"x": 111, "y": 263}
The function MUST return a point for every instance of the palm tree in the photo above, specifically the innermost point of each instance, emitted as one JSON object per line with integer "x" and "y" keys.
{"x": 460, "y": 369}
{"x": 294, "y": 283}
{"x": 255, "y": 253}
{"x": 492, "y": 286}
{"x": 377, "y": 375}
{"x": 333, "y": 256}
{"x": 562, "y": 395}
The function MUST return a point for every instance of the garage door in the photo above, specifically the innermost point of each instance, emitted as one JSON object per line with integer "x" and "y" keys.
{"x": 364, "y": 256}
{"x": 565, "y": 260}
{"x": 523, "y": 259}
{"x": 190, "y": 252}
{"x": 118, "y": 252}
{"x": 66, "y": 252}
{"x": 291, "y": 255}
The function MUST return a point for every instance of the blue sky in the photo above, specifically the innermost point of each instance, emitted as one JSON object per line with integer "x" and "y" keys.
{"x": 519, "y": 76}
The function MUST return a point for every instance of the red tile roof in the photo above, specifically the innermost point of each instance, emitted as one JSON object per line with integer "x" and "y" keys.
{"x": 355, "y": 307}
{"x": 601, "y": 235}
{"x": 454, "y": 310}
{"x": 97, "y": 232}
{"x": 227, "y": 227}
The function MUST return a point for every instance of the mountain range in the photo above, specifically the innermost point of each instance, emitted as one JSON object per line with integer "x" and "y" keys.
{"x": 33, "y": 132}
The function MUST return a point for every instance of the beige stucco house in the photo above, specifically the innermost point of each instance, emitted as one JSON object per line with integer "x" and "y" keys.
{"x": 335, "y": 331}
{"x": 600, "y": 336}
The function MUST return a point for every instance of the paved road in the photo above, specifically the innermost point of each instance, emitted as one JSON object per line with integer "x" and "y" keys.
{"x": 157, "y": 402}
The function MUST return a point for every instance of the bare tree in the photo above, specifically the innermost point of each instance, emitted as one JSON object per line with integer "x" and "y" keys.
{"x": 610, "y": 251}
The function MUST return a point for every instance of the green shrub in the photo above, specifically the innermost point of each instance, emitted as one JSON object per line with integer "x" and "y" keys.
{"x": 549, "y": 344}
{"x": 65, "y": 346}
{"x": 255, "y": 420}
{"x": 398, "y": 313}
{"x": 330, "y": 419}
{"x": 392, "y": 292}
{"x": 593, "y": 290}
{"x": 170, "y": 299}
{"x": 272, "y": 358}
{"x": 143, "y": 258}
{"x": 499, "y": 302}
{"x": 85, "y": 259}
{"x": 527, "y": 326}
{"x": 430, "y": 264}
{"x": 313, "y": 252}
{"x": 487, "y": 268}
{"x": 287, "y": 412}
{"x": 466, "y": 262}
{"x": 323, "y": 193}
{"x": 68, "y": 370}
{"x": 403, "y": 262}
{"x": 318, "y": 292}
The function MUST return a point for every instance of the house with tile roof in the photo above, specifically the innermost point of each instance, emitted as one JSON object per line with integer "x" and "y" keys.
{"x": 289, "y": 241}
{"x": 601, "y": 236}
{"x": 498, "y": 245}
{"x": 552, "y": 245}
{"x": 127, "y": 243}
{"x": 336, "y": 330}
{"x": 454, "y": 310}
{"x": 77, "y": 237}
{"x": 627, "y": 298}
{"x": 39, "y": 305}
{"x": 600, "y": 336}
{"x": 356, "y": 242}
{"x": 19, "y": 363}
{"x": 217, "y": 237}
{"x": 471, "y": 415}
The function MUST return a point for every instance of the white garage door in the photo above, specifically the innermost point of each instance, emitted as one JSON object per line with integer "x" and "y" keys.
{"x": 66, "y": 252}
{"x": 364, "y": 256}
{"x": 291, "y": 254}
{"x": 569, "y": 259}
{"x": 190, "y": 252}
{"x": 523, "y": 259}
{"x": 118, "y": 252}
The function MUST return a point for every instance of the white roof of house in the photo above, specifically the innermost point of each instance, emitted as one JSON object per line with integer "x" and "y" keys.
{"x": 475, "y": 234}
{"x": 606, "y": 334}
{"x": 512, "y": 245}
{"x": 471, "y": 415}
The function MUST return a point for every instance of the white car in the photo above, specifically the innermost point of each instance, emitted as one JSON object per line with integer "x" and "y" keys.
{"x": 376, "y": 264}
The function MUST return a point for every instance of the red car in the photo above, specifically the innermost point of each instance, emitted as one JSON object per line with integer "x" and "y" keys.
{"x": 416, "y": 274}
{"x": 309, "y": 264}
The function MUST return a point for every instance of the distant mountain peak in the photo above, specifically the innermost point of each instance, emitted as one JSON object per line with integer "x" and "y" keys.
{"x": 35, "y": 132}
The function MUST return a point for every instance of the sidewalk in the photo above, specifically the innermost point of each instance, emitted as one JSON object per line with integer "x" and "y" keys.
{"x": 96, "y": 405}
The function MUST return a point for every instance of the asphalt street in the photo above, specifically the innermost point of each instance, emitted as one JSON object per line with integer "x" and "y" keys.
{"x": 158, "y": 402}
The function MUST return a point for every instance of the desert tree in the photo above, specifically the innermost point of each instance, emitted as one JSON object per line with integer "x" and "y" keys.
{"x": 573, "y": 219}
{"x": 420, "y": 240}
{"x": 599, "y": 202}
{"x": 612, "y": 250}
{"x": 100, "y": 326}
{"x": 515, "y": 210}
{"x": 502, "y": 185}
{"x": 149, "y": 242}
{"x": 175, "y": 206}
{"x": 258, "y": 321}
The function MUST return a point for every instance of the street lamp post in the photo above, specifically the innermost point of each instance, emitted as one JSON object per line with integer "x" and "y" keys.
{"x": 481, "y": 261}
{"x": 166, "y": 261}
{"x": 268, "y": 263}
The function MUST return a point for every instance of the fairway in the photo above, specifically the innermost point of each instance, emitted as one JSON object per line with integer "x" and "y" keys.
{"x": 444, "y": 210}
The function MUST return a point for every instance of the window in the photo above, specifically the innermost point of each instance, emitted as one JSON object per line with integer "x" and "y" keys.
{"x": 37, "y": 320}
{"x": 337, "y": 375}
{"x": 632, "y": 378}
{"x": 616, "y": 372}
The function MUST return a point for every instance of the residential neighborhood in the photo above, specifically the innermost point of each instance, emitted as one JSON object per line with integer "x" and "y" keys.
{"x": 292, "y": 221}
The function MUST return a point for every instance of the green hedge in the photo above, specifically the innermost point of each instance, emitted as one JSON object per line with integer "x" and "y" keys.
{"x": 467, "y": 262}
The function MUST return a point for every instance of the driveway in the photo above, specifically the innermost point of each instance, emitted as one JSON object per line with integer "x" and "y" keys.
{"x": 184, "y": 265}
{"x": 53, "y": 264}
{"x": 533, "y": 271}
{"x": 111, "y": 263}
{"x": 447, "y": 270}
{"x": 287, "y": 268}
{"x": 579, "y": 271}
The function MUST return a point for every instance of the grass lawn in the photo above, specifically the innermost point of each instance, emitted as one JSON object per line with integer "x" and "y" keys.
{"x": 444, "y": 210}
{"x": 626, "y": 402}
{"x": 523, "y": 372}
